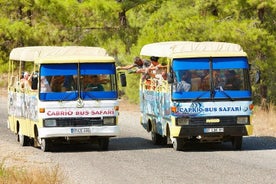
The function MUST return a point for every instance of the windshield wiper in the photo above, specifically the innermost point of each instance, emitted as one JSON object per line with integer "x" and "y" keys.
{"x": 213, "y": 94}
{"x": 197, "y": 98}
{"x": 223, "y": 92}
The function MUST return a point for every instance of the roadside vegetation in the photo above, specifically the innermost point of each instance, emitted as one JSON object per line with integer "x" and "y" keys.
{"x": 32, "y": 175}
{"x": 264, "y": 121}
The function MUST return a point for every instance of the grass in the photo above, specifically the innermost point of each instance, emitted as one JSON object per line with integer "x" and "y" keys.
{"x": 34, "y": 175}
{"x": 264, "y": 122}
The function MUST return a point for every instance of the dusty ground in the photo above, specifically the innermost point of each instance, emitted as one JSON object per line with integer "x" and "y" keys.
{"x": 12, "y": 154}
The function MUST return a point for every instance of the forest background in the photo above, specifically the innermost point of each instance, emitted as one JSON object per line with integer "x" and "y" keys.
{"x": 122, "y": 27}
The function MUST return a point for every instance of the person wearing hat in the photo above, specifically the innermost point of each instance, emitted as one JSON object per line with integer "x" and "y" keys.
{"x": 138, "y": 63}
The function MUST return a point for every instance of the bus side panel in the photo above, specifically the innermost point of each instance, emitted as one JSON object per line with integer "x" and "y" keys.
{"x": 22, "y": 109}
{"x": 155, "y": 107}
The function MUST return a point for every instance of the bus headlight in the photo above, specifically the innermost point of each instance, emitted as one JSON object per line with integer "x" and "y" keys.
{"x": 50, "y": 123}
{"x": 182, "y": 121}
{"x": 242, "y": 120}
{"x": 109, "y": 121}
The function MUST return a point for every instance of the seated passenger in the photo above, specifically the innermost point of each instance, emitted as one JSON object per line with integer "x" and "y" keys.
{"x": 94, "y": 84}
{"x": 217, "y": 81}
{"x": 183, "y": 85}
{"x": 69, "y": 83}
{"x": 195, "y": 81}
{"x": 57, "y": 83}
{"x": 44, "y": 85}
{"x": 232, "y": 81}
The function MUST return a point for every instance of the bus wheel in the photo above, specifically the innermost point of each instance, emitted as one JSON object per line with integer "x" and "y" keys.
{"x": 237, "y": 142}
{"x": 23, "y": 140}
{"x": 103, "y": 143}
{"x": 45, "y": 145}
{"x": 178, "y": 144}
{"x": 157, "y": 139}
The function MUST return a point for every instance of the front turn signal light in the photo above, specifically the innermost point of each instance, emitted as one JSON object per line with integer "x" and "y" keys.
{"x": 173, "y": 109}
{"x": 116, "y": 108}
{"x": 251, "y": 107}
{"x": 42, "y": 110}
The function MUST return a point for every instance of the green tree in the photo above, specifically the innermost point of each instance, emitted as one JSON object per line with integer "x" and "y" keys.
{"x": 124, "y": 26}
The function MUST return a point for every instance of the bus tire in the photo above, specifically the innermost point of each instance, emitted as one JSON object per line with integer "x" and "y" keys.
{"x": 23, "y": 140}
{"x": 156, "y": 138}
{"x": 45, "y": 145}
{"x": 103, "y": 143}
{"x": 178, "y": 144}
{"x": 237, "y": 142}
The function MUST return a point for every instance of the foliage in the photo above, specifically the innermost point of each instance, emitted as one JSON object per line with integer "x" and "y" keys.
{"x": 33, "y": 175}
{"x": 123, "y": 27}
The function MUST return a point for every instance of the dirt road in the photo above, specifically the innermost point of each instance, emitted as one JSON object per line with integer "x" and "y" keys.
{"x": 133, "y": 159}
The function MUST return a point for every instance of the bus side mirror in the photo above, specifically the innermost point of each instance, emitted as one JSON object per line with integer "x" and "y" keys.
{"x": 34, "y": 81}
{"x": 170, "y": 78}
{"x": 123, "y": 79}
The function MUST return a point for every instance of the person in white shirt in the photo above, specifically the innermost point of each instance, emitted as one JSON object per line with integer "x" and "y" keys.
{"x": 183, "y": 85}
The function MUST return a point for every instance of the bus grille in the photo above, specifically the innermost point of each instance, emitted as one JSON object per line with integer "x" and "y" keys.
{"x": 226, "y": 120}
{"x": 78, "y": 122}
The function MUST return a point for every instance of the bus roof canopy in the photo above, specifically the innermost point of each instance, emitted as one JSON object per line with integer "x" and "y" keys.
{"x": 59, "y": 54}
{"x": 178, "y": 49}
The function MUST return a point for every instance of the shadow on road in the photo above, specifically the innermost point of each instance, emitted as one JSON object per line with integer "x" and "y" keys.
{"x": 249, "y": 144}
{"x": 259, "y": 143}
{"x": 137, "y": 143}
{"x": 132, "y": 143}
{"x": 115, "y": 144}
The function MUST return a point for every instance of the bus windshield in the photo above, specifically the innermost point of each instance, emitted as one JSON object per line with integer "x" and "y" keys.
{"x": 72, "y": 81}
{"x": 207, "y": 78}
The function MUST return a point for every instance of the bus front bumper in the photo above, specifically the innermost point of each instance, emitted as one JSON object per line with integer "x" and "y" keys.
{"x": 54, "y": 132}
{"x": 189, "y": 131}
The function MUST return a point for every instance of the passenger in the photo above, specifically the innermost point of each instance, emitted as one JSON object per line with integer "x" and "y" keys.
{"x": 156, "y": 68}
{"x": 69, "y": 83}
{"x": 217, "y": 81}
{"x": 195, "y": 81}
{"x": 232, "y": 81}
{"x": 184, "y": 85}
{"x": 57, "y": 83}
{"x": 44, "y": 85}
{"x": 139, "y": 65}
{"x": 94, "y": 84}
{"x": 34, "y": 80}
{"x": 154, "y": 63}
{"x": 25, "y": 81}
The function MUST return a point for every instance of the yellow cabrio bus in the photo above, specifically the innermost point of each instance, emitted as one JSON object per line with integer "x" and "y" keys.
{"x": 202, "y": 94}
{"x": 70, "y": 94}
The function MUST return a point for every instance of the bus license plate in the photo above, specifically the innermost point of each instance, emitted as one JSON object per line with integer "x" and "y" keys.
{"x": 80, "y": 130}
{"x": 211, "y": 130}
